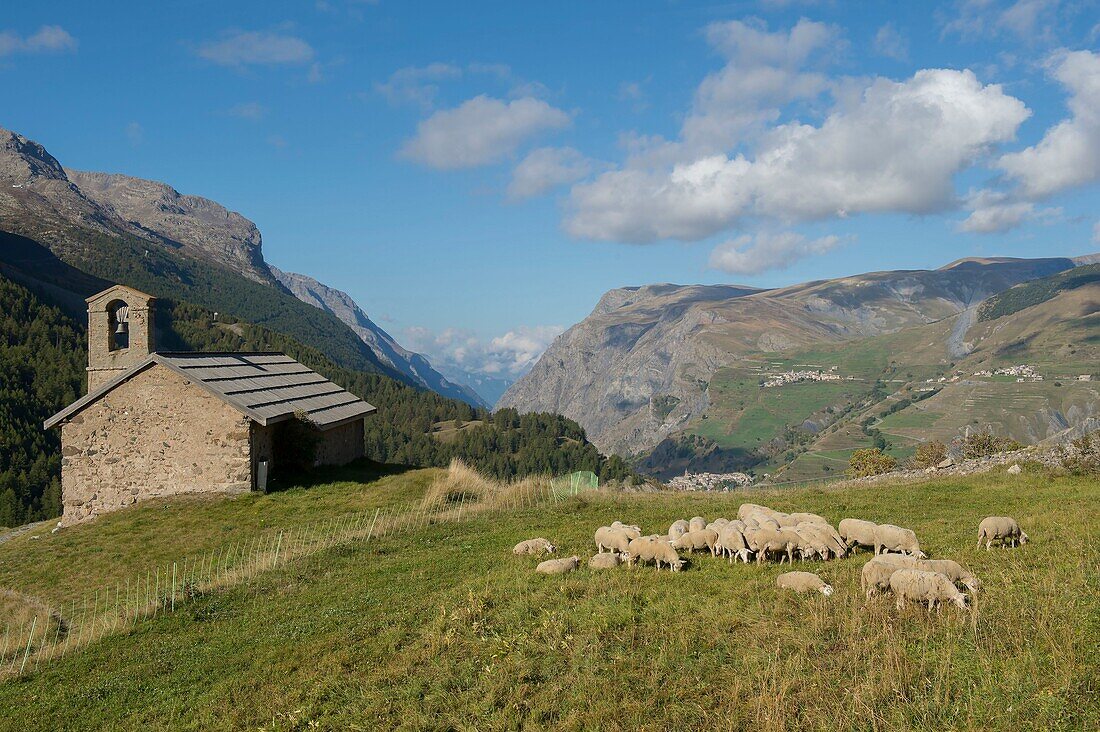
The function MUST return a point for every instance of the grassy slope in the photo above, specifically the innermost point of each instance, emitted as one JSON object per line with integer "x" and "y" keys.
{"x": 443, "y": 628}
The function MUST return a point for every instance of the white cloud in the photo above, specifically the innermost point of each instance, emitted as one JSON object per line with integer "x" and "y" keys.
{"x": 47, "y": 39}
{"x": 895, "y": 148}
{"x": 262, "y": 48}
{"x": 890, "y": 43}
{"x": 248, "y": 110}
{"x": 1068, "y": 155}
{"x": 994, "y": 212}
{"x": 764, "y": 251}
{"x": 509, "y": 355}
{"x": 416, "y": 84}
{"x": 1096, "y": 233}
{"x": 547, "y": 168}
{"x": 480, "y": 131}
{"x": 1030, "y": 20}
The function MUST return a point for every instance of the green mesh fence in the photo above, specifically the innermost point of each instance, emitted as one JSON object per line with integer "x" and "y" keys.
{"x": 574, "y": 483}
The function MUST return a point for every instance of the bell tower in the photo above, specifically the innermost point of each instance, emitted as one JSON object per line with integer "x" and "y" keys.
{"x": 120, "y": 332}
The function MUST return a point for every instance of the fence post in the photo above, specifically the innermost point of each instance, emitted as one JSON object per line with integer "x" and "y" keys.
{"x": 371, "y": 530}
{"x": 173, "y": 587}
{"x": 278, "y": 546}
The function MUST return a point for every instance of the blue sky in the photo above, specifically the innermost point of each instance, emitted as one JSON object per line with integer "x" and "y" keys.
{"x": 476, "y": 175}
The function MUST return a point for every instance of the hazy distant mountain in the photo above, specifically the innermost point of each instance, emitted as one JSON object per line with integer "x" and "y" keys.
{"x": 341, "y": 305}
{"x": 639, "y": 367}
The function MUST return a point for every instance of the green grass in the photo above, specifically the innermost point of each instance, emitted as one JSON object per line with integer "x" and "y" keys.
{"x": 63, "y": 567}
{"x": 443, "y": 628}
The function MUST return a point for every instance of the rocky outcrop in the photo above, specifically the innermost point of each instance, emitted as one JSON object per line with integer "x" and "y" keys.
{"x": 643, "y": 348}
{"x": 388, "y": 350}
{"x": 205, "y": 229}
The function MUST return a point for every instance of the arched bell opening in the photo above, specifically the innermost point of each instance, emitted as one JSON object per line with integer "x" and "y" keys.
{"x": 118, "y": 323}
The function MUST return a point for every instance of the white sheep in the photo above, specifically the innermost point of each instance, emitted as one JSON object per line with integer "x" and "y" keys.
{"x": 809, "y": 518}
{"x": 638, "y": 550}
{"x": 558, "y": 566}
{"x": 954, "y": 571}
{"x": 731, "y": 543}
{"x": 876, "y": 573}
{"x": 890, "y": 538}
{"x": 611, "y": 539}
{"x": 629, "y": 529}
{"x": 825, "y": 534}
{"x": 917, "y": 585}
{"x": 811, "y": 544}
{"x": 765, "y": 521}
{"x": 784, "y": 541}
{"x": 604, "y": 561}
{"x": 664, "y": 553}
{"x": 534, "y": 546}
{"x": 717, "y": 524}
{"x": 697, "y": 523}
{"x": 696, "y": 540}
{"x": 1000, "y": 528}
{"x": 678, "y": 529}
{"x": 747, "y": 509}
{"x": 857, "y": 532}
{"x": 803, "y": 582}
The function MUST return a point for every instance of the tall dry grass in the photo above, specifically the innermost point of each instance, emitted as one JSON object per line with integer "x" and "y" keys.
{"x": 462, "y": 488}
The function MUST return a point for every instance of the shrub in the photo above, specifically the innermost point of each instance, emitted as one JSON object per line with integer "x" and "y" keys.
{"x": 1085, "y": 456}
{"x": 870, "y": 461}
{"x": 929, "y": 455}
{"x": 984, "y": 444}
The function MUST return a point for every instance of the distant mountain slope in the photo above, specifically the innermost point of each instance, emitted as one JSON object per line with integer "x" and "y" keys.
{"x": 340, "y": 304}
{"x": 147, "y": 234}
{"x": 205, "y": 228}
{"x": 637, "y": 369}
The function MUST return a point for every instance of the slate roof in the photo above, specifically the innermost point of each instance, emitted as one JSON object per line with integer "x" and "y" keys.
{"x": 266, "y": 387}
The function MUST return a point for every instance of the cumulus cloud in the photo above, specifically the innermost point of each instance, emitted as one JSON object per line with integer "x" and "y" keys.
{"x": 993, "y": 212}
{"x": 751, "y": 255}
{"x": 480, "y": 131}
{"x": 1068, "y": 155}
{"x": 47, "y": 39}
{"x": 259, "y": 48}
{"x": 547, "y": 168}
{"x": 894, "y": 148}
{"x": 509, "y": 355}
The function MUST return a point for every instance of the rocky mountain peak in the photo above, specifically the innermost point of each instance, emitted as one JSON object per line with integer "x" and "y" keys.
{"x": 23, "y": 160}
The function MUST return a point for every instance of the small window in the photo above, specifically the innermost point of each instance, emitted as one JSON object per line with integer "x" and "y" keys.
{"x": 118, "y": 321}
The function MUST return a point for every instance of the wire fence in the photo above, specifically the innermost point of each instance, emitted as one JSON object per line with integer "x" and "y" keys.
{"x": 38, "y": 633}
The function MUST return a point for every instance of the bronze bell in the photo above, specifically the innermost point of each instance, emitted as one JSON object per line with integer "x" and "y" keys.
{"x": 120, "y": 329}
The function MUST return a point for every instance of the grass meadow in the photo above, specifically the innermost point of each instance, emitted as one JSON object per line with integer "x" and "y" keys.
{"x": 441, "y": 627}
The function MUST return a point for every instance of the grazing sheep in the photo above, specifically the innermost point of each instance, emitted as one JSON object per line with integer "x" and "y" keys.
{"x": 717, "y": 524}
{"x": 604, "y": 561}
{"x": 1000, "y": 528}
{"x": 856, "y": 532}
{"x": 876, "y": 573}
{"x": 534, "y": 546}
{"x": 809, "y": 518}
{"x": 664, "y": 553}
{"x": 835, "y": 538}
{"x": 731, "y": 543}
{"x": 784, "y": 541}
{"x": 678, "y": 529}
{"x": 890, "y": 538}
{"x": 765, "y": 522}
{"x": 639, "y": 550}
{"x": 917, "y": 585}
{"x": 803, "y": 582}
{"x": 737, "y": 524}
{"x": 811, "y": 544}
{"x": 558, "y": 566}
{"x": 748, "y": 509}
{"x": 954, "y": 571}
{"x": 785, "y": 520}
{"x": 825, "y": 534}
{"x": 615, "y": 540}
{"x": 696, "y": 540}
{"x": 629, "y": 529}
{"x": 697, "y": 523}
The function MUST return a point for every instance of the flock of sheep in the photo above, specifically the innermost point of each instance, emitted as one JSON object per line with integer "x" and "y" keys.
{"x": 899, "y": 566}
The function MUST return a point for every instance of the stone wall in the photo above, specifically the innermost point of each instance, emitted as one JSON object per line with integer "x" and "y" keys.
{"x": 340, "y": 445}
{"x": 155, "y": 435}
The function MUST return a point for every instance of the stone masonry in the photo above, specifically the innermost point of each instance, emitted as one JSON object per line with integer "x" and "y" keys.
{"x": 155, "y": 435}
